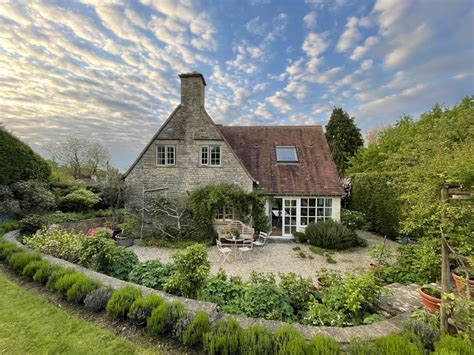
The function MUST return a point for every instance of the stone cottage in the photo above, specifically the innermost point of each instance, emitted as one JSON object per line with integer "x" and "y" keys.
{"x": 290, "y": 164}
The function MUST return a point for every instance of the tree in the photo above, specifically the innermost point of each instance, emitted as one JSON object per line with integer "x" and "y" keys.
{"x": 112, "y": 191}
{"x": 343, "y": 137}
{"x": 79, "y": 157}
{"x": 18, "y": 161}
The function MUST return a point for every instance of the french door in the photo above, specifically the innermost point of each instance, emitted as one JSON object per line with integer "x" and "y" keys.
{"x": 289, "y": 215}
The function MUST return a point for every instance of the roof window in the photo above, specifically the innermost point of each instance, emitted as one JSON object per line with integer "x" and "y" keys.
{"x": 286, "y": 154}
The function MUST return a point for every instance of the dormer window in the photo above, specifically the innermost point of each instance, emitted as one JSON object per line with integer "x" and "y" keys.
{"x": 286, "y": 154}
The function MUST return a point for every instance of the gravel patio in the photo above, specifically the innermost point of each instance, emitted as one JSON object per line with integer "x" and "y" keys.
{"x": 278, "y": 257}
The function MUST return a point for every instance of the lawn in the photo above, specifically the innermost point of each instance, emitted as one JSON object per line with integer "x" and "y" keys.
{"x": 31, "y": 325}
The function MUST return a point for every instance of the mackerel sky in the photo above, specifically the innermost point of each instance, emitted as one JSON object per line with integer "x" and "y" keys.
{"x": 107, "y": 70}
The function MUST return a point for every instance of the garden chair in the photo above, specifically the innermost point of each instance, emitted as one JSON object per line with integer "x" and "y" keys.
{"x": 261, "y": 240}
{"x": 224, "y": 252}
{"x": 246, "y": 246}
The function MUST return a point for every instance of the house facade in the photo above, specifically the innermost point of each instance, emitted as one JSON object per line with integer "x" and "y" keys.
{"x": 292, "y": 165}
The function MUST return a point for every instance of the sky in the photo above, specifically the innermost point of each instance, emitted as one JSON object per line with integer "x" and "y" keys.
{"x": 108, "y": 70}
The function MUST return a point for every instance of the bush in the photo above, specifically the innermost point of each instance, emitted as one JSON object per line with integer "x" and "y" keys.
{"x": 58, "y": 243}
{"x": 65, "y": 282}
{"x": 222, "y": 290}
{"x": 194, "y": 332}
{"x": 97, "y": 300}
{"x": 31, "y": 223}
{"x": 361, "y": 347}
{"x": 34, "y": 196}
{"x": 323, "y": 345}
{"x": 119, "y": 304}
{"x": 192, "y": 271}
{"x": 330, "y": 235}
{"x": 354, "y": 220}
{"x": 123, "y": 261}
{"x": 298, "y": 290}
{"x": 452, "y": 345}
{"x": 56, "y": 275}
{"x": 18, "y": 261}
{"x": 396, "y": 344}
{"x": 288, "y": 341}
{"x": 300, "y": 237}
{"x": 256, "y": 340}
{"x": 164, "y": 317}
{"x": 225, "y": 337}
{"x": 79, "y": 200}
{"x": 151, "y": 273}
{"x": 9, "y": 226}
{"x": 32, "y": 268}
{"x": 7, "y": 249}
{"x": 80, "y": 289}
{"x": 43, "y": 274}
{"x": 142, "y": 307}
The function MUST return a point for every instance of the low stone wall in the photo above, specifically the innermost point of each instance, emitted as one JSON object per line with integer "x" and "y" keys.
{"x": 342, "y": 335}
{"x": 84, "y": 225}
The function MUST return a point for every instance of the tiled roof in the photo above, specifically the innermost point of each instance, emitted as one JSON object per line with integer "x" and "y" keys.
{"x": 314, "y": 174}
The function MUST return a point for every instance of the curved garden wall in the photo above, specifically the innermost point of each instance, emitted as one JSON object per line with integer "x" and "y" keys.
{"x": 342, "y": 335}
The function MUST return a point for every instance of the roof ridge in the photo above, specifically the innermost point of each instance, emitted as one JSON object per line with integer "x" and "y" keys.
{"x": 271, "y": 126}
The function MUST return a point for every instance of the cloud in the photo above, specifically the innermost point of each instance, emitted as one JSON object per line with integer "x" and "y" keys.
{"x": 350, "y": 35}
{"x": 360, "y": 51}
{"x": 367, "y": 64}
{"x": 314, "y": 44}
{"x": 279, "y": 101}
{"x": 310, "y": 19}
{"x": 256, "y": 27}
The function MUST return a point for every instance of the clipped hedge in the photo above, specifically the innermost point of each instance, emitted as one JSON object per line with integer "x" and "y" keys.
{"x": 376, "y": 195}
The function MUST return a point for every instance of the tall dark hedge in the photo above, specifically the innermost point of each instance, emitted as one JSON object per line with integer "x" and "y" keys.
{"x": 376, "y": 196}
{"x": 19, "y": 162}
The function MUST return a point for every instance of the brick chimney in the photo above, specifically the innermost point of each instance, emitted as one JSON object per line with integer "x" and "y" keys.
{"x": 192, "y": 89}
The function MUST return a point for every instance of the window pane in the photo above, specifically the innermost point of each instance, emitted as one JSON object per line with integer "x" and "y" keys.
{"x": 204, "y": 155}
{"x": 170, "y": 155}
{"x": 320, "y": 202}
{"x": 320, "y": 212}
{"x": 215, "y": 155}
{"x": 312, "y": 211}
{"x": 160, "y": 151}
{"x": 304, "y": 221}
{"x": 328, "y": 202}
{"x": 286, "y": 154}
{"x": 304, "y": 211}
{"x": 304, "y": 202}
{"x": 328, "y": 211}
{"x": 312, "y": 202}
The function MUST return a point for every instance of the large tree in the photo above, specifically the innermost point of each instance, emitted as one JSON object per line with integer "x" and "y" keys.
{"x": 343, "y": 137}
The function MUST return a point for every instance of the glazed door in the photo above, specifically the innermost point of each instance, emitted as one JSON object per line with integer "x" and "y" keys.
{"x": 289, "y": 215}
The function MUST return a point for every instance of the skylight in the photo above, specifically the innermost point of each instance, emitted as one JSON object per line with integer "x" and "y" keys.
{"x": 286, "y": 154}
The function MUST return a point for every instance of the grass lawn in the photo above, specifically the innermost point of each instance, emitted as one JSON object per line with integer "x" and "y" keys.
{"x": 31, "y": 325}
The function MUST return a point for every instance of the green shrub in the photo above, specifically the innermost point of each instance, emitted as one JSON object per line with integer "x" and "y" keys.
{"x": 142, "y": 307}
{"x": 448, "y": 344}
{"x": 8, "y": 226}
{"x": 164, "y": 317}
{"x": 225, "y": 337}
{"x": 97, "y": 300}
{"x": 31, "y": 223}
{"x": 56, "y": 275}
{"x": 152, "y": 273}
{"x": 330, "y": 235}
{"x": 300, "y": 237}
{"x": 354, "y": 220}
{"x": 34, "y": 196}
{"x": 289, "y": 341}
{"x": 123, "y": 261}
{"x": 18, "y": 261}
{"x": 376, "y": 196}
{"x": 32, "y": 267}
{"x": 7, "y": 249}
{"x": 426, "y": 326}
{"x": 362, "y": 347}
{"x": 119, "y": 304}
{"x": 192, "y": 270}
{"x": 256, "y": 340}
{"x": 222, "y": 290}
{"x": 298, "y": 290}
{"x": 58, "y": 243}
{"x": 396, "y": 344}
{"x": 80, "y": 289}
{"x": 194, "y": 332}
{"x": 43, "y": 274}
{"x": 79, "y": 200}
{"x": 65, "y": 282}
{"x": 323, "y": 345}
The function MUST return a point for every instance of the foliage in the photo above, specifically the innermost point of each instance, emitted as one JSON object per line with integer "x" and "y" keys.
{"x": 8, "y": 205}
{"x": 449, "y": 344}
{"x": 6, "y": 227}
{"x": 298, "y": 290}
{"x": 354, "y": 220}
{"x": 18, "y": 261}
{"x": 288, "y": 341}
{"x": 424, "y": 325}
{"x": 222, "y": 290}
{"x": 194, "y": 332}
{"x": 164, "y": 317}
{"x": 97, "y": 300}
{"x": 330, "y": 235}
{"x": 181, "y": 241}
{"x": 380, "y": 253}
{"x": 55, "y": 242}
{"x": 142, "y": 307}
{"x": 34, "y": 196}
{"x": 31, "y": 223}
{"x": 323, "y": 345}
{"x": 461, "y": 311}
{"x": 129, "y": 225}
{"x": 343, "y": 137}
{"x": 119, "y": 304}
{"x": 64, "y": 283}
{"x": 391, "y": 344}
{"x": 7, "y": 249}
{"x": 80, "y": 289}
{"x": 18, "y": 161}
{"x": 192, "y": 269}
{"x": 104, "y": 232}
{"x": 224, "y": 338}
{"x": 63, "y": 217}
{"x": 376, "y": 196}
{"x": 112, "y": 192}
{"x": 151, "y": 273}
{"x": 32, "y": 267}
{"x": 256, "y": 340}
{"x": 299, "y": 237}
{"x": 80, "y": 199}
{"x": 44, "y": 272}
{"x": 56, "y": 275}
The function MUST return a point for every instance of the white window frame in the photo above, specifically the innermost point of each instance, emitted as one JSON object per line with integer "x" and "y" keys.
{"x": 287, "y": 161}
{"x": 317, "y": 218}
{"x": 168, "y": 149}
{"x": 208, "y": 158}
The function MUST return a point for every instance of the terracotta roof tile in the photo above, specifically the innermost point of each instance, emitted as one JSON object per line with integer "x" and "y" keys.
{"x": 314, "y": 174}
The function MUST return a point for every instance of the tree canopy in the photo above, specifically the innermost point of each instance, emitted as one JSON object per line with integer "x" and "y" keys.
{"x": 19, "y": 162}
{"x": 343, "y": 137}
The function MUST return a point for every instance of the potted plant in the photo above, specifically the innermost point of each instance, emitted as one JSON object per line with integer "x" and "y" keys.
{"x": 430, "y": 297}
{"x": 464, "y": 277}
{"x": 128, "y": 229}
{"x": 299, "y": 237}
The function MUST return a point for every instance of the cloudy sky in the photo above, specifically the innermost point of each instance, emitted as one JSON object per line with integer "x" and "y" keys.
{"x": 107, "y": 70}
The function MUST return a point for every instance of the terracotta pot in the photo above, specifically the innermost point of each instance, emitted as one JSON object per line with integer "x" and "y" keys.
{"x": 431, "y": 303}
{"x": 460, "y": 284}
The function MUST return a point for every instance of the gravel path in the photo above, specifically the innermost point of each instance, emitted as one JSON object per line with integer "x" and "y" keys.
{"x": 277, "y": 257}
